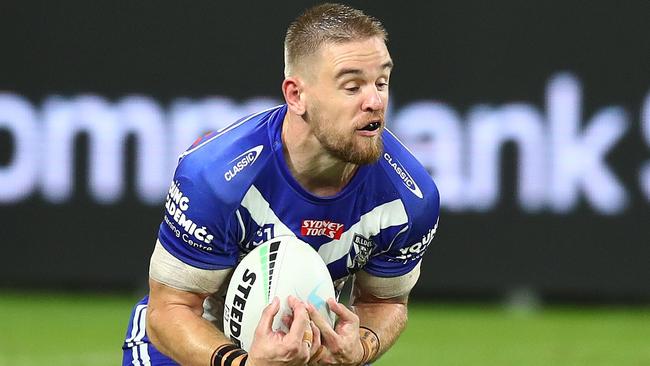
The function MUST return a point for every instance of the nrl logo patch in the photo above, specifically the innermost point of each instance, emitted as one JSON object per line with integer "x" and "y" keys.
{"x": 360, "y": 253}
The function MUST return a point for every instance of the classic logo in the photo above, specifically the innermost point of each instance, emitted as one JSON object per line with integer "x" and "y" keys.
{"x": 330, "y": 229}
{"x": 242, "y": 161}
{"x": 362, "y": 248}
{"x": 408, "y": 181}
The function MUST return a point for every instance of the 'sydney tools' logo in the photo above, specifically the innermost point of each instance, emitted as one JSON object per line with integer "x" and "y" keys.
{"x": 330, "y": 229}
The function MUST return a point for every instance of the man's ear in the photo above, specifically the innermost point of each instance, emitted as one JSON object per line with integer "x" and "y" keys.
{"x": 292, "y": 88}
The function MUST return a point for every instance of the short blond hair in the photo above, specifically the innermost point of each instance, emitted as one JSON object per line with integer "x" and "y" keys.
{"x": 325, "y": 23}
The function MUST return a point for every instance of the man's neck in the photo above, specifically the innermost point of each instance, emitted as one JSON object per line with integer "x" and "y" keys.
{"x": 314, "y": 168}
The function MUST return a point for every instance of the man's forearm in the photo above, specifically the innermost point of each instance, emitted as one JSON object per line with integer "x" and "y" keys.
{"x": 387, "y": 320}
{"x": 177, "y": 329}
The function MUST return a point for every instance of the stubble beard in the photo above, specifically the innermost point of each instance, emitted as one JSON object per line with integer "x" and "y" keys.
{"x": 344, "y": 145}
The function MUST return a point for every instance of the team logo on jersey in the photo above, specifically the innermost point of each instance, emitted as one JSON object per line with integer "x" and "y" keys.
{"x": 361, "y": 250}
{"x": 408, "y": 181}
{"x": 263, "y": 233}
{"x": 180, "y": 224}
{"x": 330, "y": 229}
{"x": 247, "y": 158}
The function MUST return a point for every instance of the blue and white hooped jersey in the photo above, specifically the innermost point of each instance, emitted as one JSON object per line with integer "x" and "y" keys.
{"x": 232, "y": 190}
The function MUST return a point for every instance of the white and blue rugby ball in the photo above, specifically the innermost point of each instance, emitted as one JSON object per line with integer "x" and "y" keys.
{"x": 279, "y": 267}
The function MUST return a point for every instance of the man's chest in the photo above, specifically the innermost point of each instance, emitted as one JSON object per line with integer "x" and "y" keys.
{"x": 345, "y": 233}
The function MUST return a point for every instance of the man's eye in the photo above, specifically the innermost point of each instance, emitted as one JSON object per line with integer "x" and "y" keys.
{"x": 352, "y": 89}
{"x": 382, "y": 86}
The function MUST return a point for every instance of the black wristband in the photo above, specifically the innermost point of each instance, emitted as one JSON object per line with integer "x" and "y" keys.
{"x": 220, "y": 352}
{"x": 232, "y": 356}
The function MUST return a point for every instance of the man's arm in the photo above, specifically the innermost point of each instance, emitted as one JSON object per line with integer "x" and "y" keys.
{"x": 174, "y": 315}
{"x": 387, "y": 320}
{"x": 175, "y": 325}
{"x": 381, "y": 305}
{"x": 378, "y": 318}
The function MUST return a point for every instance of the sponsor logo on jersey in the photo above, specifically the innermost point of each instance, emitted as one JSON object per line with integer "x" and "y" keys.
{"x": 361, "y": 250}
{"x": 415, "y": 251}
{"x": 182, "y": 226}
{"x": 330, "y": 229}
{"x": 406, "y": 178}
{"x": 242, "y": 161}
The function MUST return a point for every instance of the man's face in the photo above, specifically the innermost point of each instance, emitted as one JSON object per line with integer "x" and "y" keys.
{"x": 346, "y": 97}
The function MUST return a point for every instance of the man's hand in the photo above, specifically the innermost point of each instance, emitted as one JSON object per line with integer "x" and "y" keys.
{"x": 275, "y": 348}
{"x": 342, "y": 345}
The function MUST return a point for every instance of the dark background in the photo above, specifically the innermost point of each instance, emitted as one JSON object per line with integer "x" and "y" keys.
{"x": 460, "y": 52}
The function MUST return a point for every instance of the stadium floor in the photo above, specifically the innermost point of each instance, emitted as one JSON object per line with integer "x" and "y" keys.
{"x": 81, "y": 330}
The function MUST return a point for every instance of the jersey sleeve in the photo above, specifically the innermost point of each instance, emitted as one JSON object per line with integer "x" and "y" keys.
{"x": 198, "y": 226}
{"x": 406, "y": 249}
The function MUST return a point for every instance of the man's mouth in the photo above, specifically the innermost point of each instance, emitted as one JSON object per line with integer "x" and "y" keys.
{"x": 372, "y": 126}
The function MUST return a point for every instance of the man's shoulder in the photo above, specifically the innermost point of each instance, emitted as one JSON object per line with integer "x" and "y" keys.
{"x": 409, "y": 177}
{"x": 419, "y": 195}
{"x": 227, "y": 161}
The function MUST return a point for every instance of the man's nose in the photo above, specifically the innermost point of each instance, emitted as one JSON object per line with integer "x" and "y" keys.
{"x": 372, "y": 101}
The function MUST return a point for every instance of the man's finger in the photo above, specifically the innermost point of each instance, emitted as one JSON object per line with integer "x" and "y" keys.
{"x": 266, "y": 321}
{"x": 293, "y": 301}
{"x": 316, "y": 355}
{"x": 342, "y": 311}
{"x": 300, "y": 322}
{"x": 315, "y": 348}
{"x": 287, "y": 319}
{"x": 308, "y": 338}
{"x": 316, "y": 332}
{"x": 325, "y": 328}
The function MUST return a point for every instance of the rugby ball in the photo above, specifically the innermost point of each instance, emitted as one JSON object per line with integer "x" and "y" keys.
{"x": 279, "y": 267}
